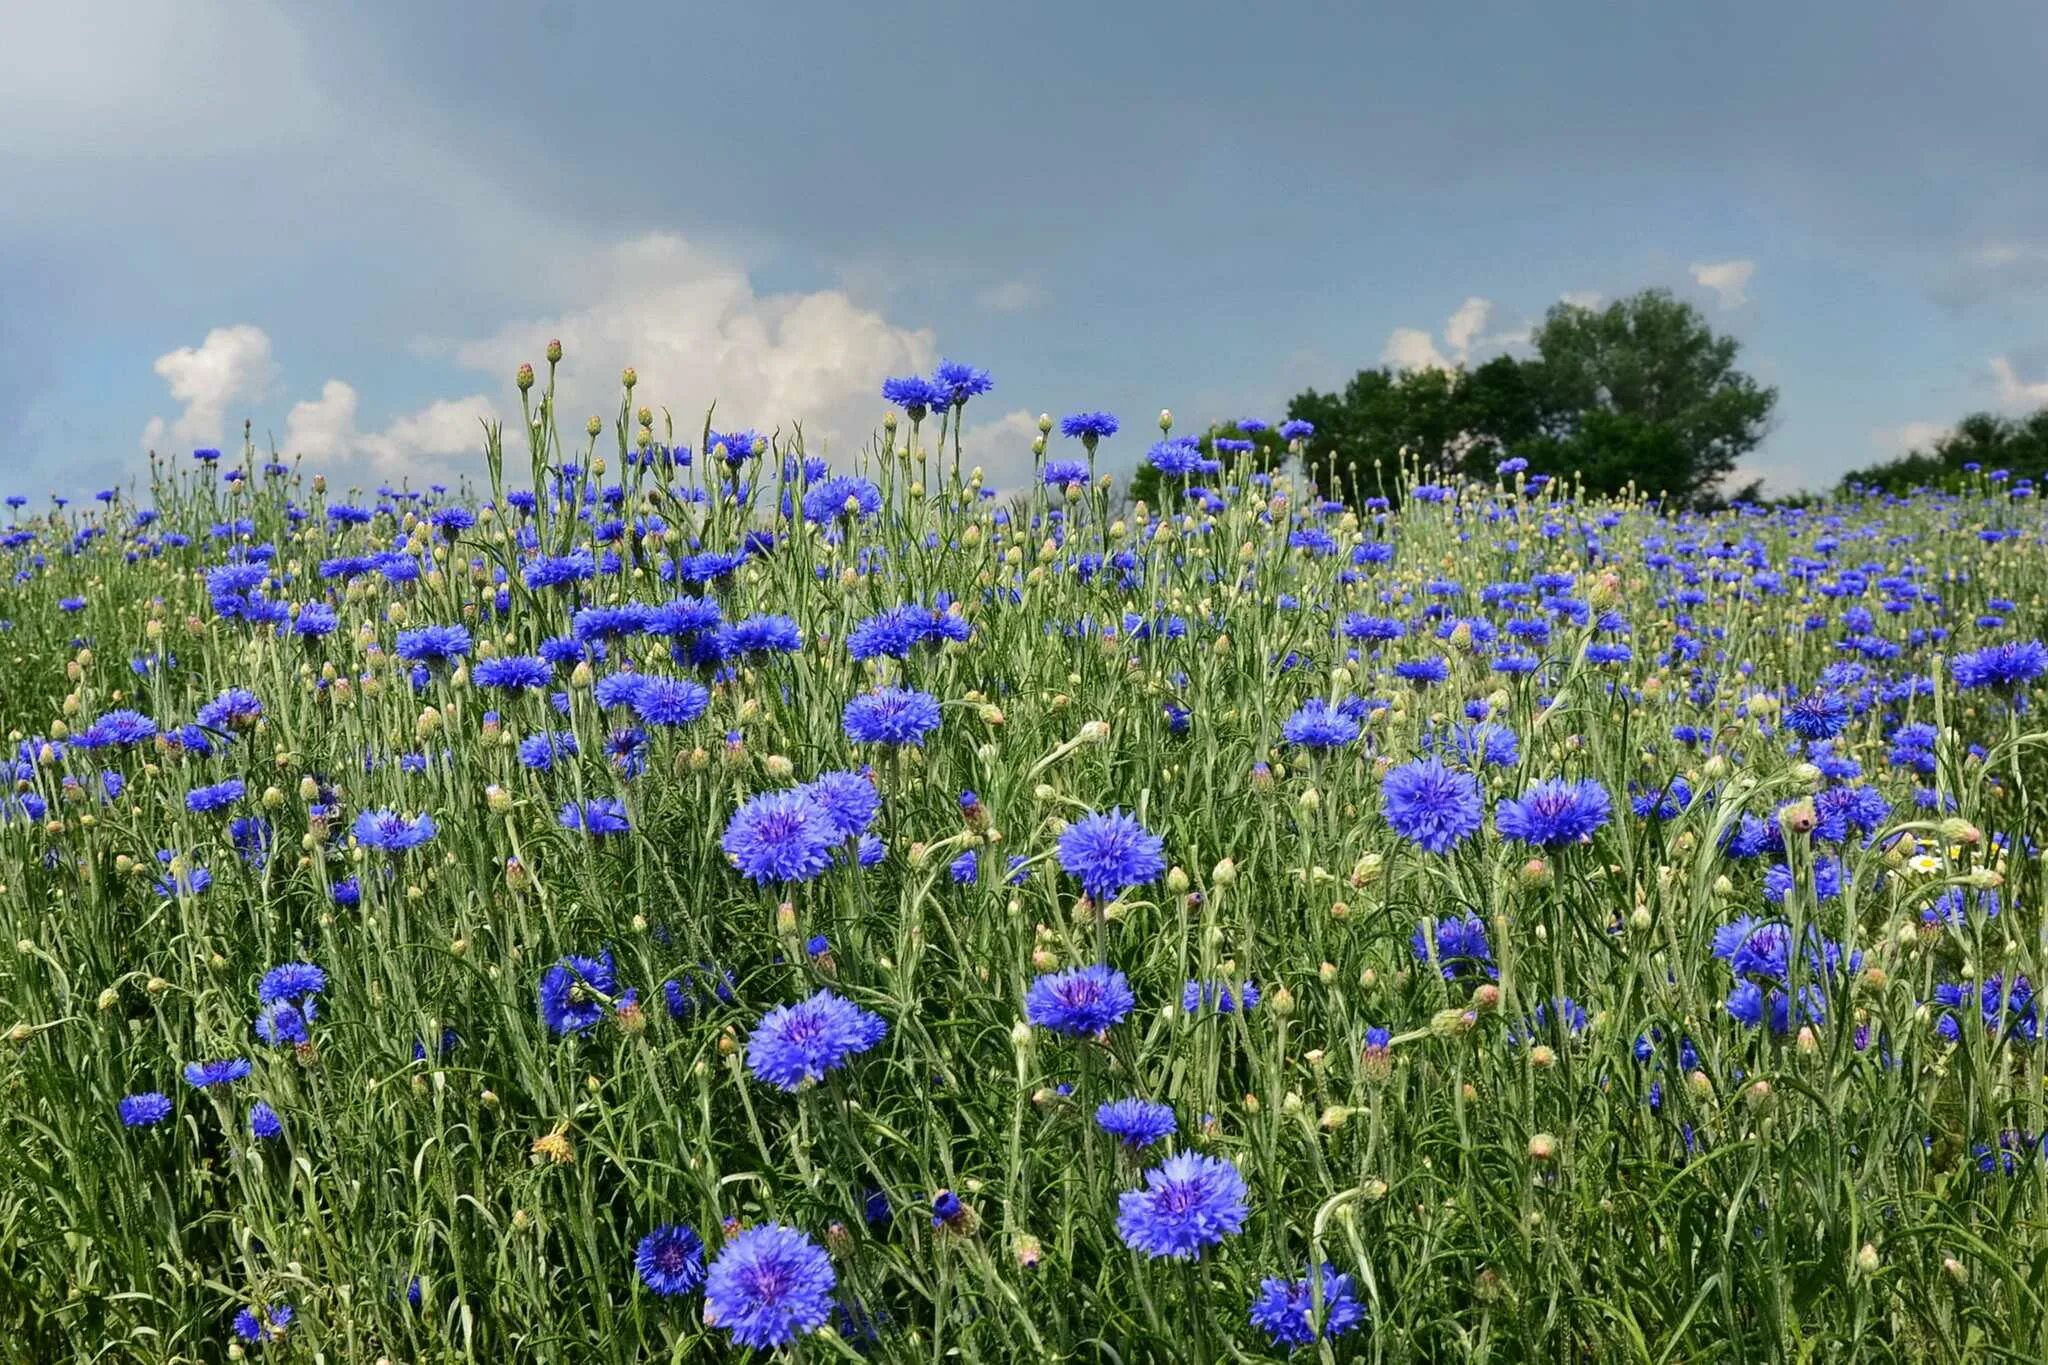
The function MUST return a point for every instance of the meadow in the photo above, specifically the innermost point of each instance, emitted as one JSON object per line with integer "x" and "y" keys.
{"x": 680, "y": 898}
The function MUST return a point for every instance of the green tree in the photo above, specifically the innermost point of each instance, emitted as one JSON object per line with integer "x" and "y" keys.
{"x": 1644, "y": 390}
{"x": 1983, "y": 439}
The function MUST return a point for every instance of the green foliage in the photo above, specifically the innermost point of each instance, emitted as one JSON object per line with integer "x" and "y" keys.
{"x": 2019, "y": 446}
{"x": 1640, "y": 392}
{"x": 1636, "y": 1176}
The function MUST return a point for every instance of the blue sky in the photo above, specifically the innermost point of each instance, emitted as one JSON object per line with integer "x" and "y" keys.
{"x": 349, "y": 224}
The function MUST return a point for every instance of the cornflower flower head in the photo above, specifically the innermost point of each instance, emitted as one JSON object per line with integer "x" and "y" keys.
{"x": 770, "y": 1285}
{"x": 781, "y": 837}
{"x": 670, "y": 1259}
{"x": 1285, "y": 1309}
{"x": 1109, "y": 852}
{"x": 1080, "y": 1001}
{"x": 1555, "y": 813}
{"x": 798, "y": 1045}
{"x": 1432, "y": 806}
{"x": 1190, "y": 1202}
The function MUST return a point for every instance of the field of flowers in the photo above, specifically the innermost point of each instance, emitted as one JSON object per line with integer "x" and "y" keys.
{"x": 682, "y": 898}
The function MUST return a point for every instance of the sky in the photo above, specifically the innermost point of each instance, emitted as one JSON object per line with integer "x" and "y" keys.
{"x": 349, "y": 225}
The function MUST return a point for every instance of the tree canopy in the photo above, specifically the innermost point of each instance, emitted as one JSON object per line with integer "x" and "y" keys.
{"x": 1640, "y": 391}
{"x": 1983, "y": 442}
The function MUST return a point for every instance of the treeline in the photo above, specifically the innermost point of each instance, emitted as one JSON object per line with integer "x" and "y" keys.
{"x": 1981, "y": 444}
{"x": 1641, "y": 392}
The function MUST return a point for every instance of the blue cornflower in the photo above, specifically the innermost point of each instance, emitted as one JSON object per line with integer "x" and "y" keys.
{"x": 1460, "y": 944}
{"x": 849, "y": 800}
{"x": 669, "y": 701}
{"x": 960, "y": 382}
{"x": 915, "y": 395}
{"x": 1319, "y": 725}
{"x": 264, "y": 1124}
{"x": 794, "y": 1045}
{"x": 432, "y": 644}
{"x": 392, "y": 832}
{"x": 781, "y": 837}
{"x": 1135, "y": 1122}
{"x": 1179, "y": 457}
{"x": 1080, "y": 1001}
{"x": 2001, "y": 668}
{"x": 1295, "y": 429}
{"x": 617, "y": 689}
{"x": 512, "y": 672}
{"x": 207, "y": 1075}
{"x": 1109, "y": 852}
{"x": 609, "y": 623}
{"x": 1285, "y": 1309}
{"x": 539, "y": 752}
{"x": 282, "y": 1024}
{"x": 235, "y": 709}
{"x": 1060, "y": 473}
{"x": 1088, "y": 427}
{"x": 1431, "y": 805}
{"x": 262, "y": 1323}
{"x": 145, "y": 1110}
{"x": 219, "y": 796}
{"x": 739, "y": 445}
{"x": 556, "y": 571}
{"x": 891, "y": 715}
{"x": 770, "y": 1285}
{"x": 699, "y": 988}
{"x": 1481, "y": 744}
{"x": 947, "y": 1210}
{"x": 599, "y": 816}
{"x": 1818, "y": 715}
{"x": 315, "y": 619}
{"x": 1190, "y": 1201}
{"x": 569, "y": 993}
{"x": 1422, "y": 672}
{"x": 1227, "y": 997}
{"x": 683, "y": 616}
{"x": 1555, "y": 812}
{"x": 763, "y": 635}
{"x": 670, "y": 1259}
{"x": 291, "y": 981}
{"x": 115, "y": 729}
{"x": 843, "y": 495}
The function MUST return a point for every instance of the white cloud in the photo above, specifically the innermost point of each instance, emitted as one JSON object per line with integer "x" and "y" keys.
{"x": 1411, "y": 348}
{"x": 1728, "y": 280}
{"x": 1011, "y": 296}
{"x": 1467, "y": 323}
{"x": 1582, "y": 298}
{"x": 1464, "y": 335}
{"x": 324, "y": 429}
{"x": 1908, "y": 436}
{"x": 2015, "y": 392}
{"x": 232, "y": 365}
{"x": 2000, "y": 255}
{"x": 693, "y": 326}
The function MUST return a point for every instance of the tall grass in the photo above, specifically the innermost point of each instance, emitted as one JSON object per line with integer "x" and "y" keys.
{"x": 1651, "y": 1179}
